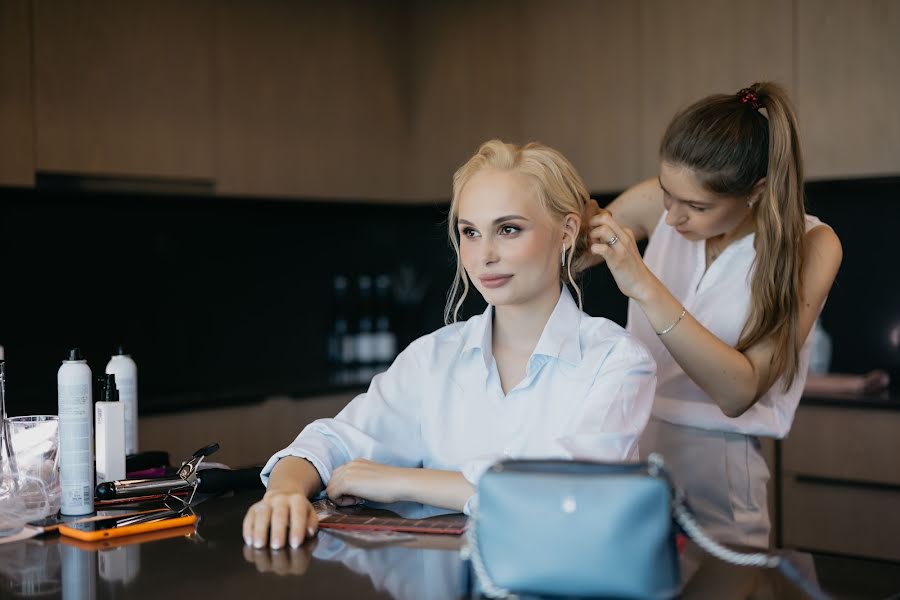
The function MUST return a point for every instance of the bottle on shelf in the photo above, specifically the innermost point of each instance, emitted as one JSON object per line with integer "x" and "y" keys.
{"x": 341, "y": 344}
{"x": 365, "y": 330}
{"x": 385, "y": 338}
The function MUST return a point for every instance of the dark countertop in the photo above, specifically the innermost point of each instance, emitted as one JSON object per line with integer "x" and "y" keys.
{"x": 885, "y": 400}
{"x": 215, "y": 563}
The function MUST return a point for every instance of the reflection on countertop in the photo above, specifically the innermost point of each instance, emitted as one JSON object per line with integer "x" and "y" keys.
{"x": 215, "y": 562}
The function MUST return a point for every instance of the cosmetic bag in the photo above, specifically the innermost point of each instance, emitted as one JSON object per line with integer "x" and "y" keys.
{"x": 581, "y": 528}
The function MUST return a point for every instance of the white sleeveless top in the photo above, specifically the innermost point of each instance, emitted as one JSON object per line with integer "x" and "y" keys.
{"x": 719, "y": 299}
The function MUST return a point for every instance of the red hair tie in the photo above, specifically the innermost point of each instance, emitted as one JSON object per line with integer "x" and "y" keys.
{"x": 748, "y": 96}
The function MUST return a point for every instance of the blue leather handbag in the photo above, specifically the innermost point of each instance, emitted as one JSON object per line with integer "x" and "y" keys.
{"x": 581, "y": 528}
{"x": 574, "y": 528}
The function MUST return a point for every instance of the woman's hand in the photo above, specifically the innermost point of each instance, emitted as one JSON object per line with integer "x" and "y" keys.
{"x": 618, "y": 248}
{"x": 277, "y": 514}
{"x": 592, "y": 209}
{"x": 364, "y": 479}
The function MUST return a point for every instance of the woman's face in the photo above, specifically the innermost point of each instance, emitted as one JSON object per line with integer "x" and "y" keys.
{"x": 695, "y": 212}
{"x": 508, "y": 245}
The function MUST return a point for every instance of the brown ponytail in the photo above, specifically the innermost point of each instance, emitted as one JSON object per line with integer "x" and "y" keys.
{"x": 731, "y": 145}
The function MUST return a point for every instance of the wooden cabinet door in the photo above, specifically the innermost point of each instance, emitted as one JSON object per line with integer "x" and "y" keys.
{"x": 124, "y": 87}
{"x": 312, "y": 99}
{"x": 16, "y": 123}
{"x": 468, "y": 61}
{"x": 581, "y": 85}
{"x": 694, "y": 48}
{"x": 848, "y": 86}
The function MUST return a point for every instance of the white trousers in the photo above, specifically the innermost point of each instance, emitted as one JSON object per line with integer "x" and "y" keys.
{"x": 723, "y": 475}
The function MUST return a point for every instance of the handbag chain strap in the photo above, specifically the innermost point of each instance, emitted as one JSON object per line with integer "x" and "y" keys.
{"x": 685, "y": 519}
{"x": 692, "y": 529}
{"x": 471, "y": 552}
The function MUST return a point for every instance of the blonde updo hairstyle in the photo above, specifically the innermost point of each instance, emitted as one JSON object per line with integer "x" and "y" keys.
{"x": 558, "y": 189}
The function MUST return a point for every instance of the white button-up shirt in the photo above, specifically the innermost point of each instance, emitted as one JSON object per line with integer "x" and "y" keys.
{"x": 587, "y": 394}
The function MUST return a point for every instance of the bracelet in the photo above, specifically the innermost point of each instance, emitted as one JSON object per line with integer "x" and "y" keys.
{"x": 672, "y": 326}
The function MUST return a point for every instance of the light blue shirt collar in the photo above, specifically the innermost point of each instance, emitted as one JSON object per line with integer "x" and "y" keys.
{"x": 559, "y": 340}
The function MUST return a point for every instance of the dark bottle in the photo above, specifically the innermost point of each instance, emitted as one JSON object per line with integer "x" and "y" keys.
{"x": 365, "y": 331}
{"x": 385, "y": 339}
{"x": 341, "y": 345}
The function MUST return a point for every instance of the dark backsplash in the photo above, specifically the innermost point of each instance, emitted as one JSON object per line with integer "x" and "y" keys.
{"x": 862, "y": 313}
{"x": 221, "y": 296}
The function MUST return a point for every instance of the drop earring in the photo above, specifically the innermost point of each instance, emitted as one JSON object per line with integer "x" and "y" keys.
{"x": 562, "y": 261}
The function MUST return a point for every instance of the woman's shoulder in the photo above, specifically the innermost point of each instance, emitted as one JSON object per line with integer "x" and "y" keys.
{"x": 603, "y": 339}
{"x": 820, "y": 237}
{"x": 823, "y": 252}
{"x": 813, "y": 222}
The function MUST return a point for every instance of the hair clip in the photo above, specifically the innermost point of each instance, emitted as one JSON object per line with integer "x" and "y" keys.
{"x": 748, "y": 96}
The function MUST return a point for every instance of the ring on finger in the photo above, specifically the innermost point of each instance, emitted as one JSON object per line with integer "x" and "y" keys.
{"x": 612, "y": 241}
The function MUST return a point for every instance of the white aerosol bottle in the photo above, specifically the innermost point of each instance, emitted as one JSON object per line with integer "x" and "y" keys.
{"x": 123, "y": 367}
{"x": 109, "y": 418}
{"x": 76, "y": 440}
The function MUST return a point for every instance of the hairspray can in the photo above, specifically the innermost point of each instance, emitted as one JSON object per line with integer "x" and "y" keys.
{"x": 76, "y": 440}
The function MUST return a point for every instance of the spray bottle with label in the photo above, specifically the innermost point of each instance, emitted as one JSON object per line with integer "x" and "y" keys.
{"x": 76, "y": 440}
{"x": 124, "y": 368}
{"x": 110, "y": 423}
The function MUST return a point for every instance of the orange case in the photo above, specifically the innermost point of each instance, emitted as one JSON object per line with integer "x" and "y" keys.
{"x": 139, "y": 538}
{"x": 113, "y": 532}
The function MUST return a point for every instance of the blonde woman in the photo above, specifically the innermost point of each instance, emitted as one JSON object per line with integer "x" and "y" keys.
{"x": 734, "y": 276}
{"x": 533, "y": 376}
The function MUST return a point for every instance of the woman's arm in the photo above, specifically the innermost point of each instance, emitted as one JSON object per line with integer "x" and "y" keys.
{"x": 734, "y": 380}
{"x": 381, "y": 424}
{"x": 362, "y": 478}
{"x": 293, "y": 475}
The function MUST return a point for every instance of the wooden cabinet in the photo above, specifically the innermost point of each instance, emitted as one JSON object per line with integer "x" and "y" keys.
{"x": 694, "y": 48}
{"x": 848, "y": 85}
{"x": 564, "y": 74}
{"x": 312, "y": 99}
{"x": 468, "y": 60}
{"x": 16, "y": 123}
{"x": 362, "y": 99}
{"x": 124, "y": 87}
{"x": 581, "y": 84}
{"x": 840, "y": 481}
